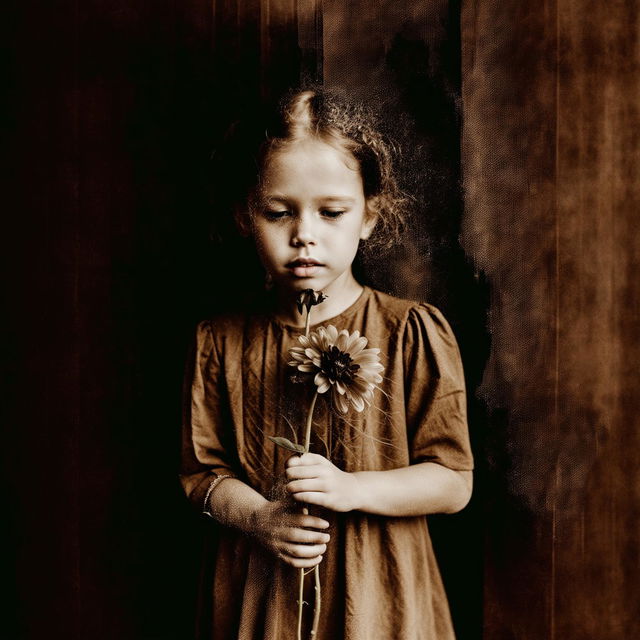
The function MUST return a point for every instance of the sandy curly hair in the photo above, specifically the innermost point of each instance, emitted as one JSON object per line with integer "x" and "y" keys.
{"x": 352, "y": 128}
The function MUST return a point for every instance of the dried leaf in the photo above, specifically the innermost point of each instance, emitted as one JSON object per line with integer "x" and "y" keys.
{"x": 285, "y": 443}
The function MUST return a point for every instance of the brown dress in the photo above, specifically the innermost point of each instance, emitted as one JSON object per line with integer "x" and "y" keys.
{"x": 380, "y": 580}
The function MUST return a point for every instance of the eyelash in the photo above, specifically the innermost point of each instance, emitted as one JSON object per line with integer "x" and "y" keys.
{"x": 333, "y": 214}
{"x": 275, "y": 215}
{"x": 326, "y": 213}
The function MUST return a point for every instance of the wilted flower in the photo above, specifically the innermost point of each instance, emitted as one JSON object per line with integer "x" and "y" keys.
{"x": 309, "y": 298}
{"x": 341, "y": 365}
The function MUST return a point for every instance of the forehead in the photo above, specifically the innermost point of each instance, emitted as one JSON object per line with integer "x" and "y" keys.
{"x": 310, "y": 166}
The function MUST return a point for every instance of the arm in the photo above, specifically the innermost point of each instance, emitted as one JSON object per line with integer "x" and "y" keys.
{"x": 208, "y": 454}
{"x": 295, "y": 538}
{"x": 418, "y": 489}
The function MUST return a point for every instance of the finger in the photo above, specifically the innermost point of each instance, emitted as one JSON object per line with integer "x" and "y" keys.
{"x": 306, "y": 536}
{"x": 306, "y": 459}
{"x": 303, "y": 550}
{"x": 312, "y": 484}
{"x": 300, "y": 563}
{"x": 302, "y": 472}
{"x": 311, "y": 497}
{"x": 310, "y": 522}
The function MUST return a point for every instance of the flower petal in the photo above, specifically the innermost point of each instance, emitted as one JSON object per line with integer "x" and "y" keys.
{"x": 342, "y": 340}
{"x": 341, "y": 403}
{"x": 321, "y": 382}
{"x": 358, "y": 403}
{"x": 332, "y": 334}
{"x": 355, "y": 347}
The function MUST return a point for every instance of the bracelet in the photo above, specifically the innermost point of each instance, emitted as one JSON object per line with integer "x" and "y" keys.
{"x": 214, "y": 483}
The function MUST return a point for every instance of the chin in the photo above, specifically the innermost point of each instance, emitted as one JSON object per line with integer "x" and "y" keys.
{"x": 306, "y": 283}
{"x": 295, "y": 285}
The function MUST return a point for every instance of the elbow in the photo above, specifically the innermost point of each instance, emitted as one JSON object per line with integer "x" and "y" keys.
{"x": 461, "y": 491}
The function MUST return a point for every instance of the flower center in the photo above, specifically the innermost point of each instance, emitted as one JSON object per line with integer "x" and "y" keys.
{"x": 338, "y": 365}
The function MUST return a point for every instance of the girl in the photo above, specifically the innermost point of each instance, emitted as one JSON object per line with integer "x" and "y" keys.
{"x": 324, "y": 187}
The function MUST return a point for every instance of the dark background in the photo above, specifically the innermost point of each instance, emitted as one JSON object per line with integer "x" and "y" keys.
{"x": 527, "y": 114}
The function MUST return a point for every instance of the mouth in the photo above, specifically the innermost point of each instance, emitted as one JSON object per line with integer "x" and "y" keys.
{"x": 304, "y": 267}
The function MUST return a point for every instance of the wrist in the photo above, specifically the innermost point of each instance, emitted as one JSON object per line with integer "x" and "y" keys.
{"x": 257, "y": 518}
{"x": 359, "y": 491}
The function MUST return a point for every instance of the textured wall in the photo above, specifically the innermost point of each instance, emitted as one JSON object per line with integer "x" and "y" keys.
{"x": 551, "y": 166}
{"x": 112, "y": 110}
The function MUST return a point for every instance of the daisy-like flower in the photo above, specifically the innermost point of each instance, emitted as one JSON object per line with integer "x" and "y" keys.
{"x": 341, "y": 365}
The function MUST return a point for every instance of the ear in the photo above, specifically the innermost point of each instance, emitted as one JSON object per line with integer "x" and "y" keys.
{"x": 370, "y": 219}
{"x": 242, "y": 219}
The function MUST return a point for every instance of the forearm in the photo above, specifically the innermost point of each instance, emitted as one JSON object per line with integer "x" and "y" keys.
{"x": 296, "y": 538}
{"x": 411, "y": 491}
{"x": 235, "y": 504}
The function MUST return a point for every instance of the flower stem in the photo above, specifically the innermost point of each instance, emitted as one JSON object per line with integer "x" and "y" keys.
{"x": 307, "y": 433}
{"x": 307, "y": 322}
{"x": 316, "y": 604}
{"x": 300, "y": 602}
{"x": 305, "y": 511}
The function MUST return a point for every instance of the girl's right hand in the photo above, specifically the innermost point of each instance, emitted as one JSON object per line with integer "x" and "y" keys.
{"x": 295, "y": 538}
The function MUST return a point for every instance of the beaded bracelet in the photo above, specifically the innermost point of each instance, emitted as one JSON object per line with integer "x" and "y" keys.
{"x": 214, "y": 483}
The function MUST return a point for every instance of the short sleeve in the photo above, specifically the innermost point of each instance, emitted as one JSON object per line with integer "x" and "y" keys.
{"x": 435, "y": 397}
{"x": 206, "y": 439}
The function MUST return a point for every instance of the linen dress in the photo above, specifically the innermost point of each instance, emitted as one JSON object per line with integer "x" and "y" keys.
{"x": 380, "y": 580}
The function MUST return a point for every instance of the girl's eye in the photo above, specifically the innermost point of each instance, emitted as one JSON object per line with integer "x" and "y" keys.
{"x": 332, "y": 213}
{"x": 276, "y": 215}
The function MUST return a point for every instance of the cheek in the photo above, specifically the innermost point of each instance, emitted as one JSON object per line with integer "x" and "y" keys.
{"x": 267, "y": 243}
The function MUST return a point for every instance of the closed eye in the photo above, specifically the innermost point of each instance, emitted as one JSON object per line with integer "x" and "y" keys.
{"x": 276, "y": 214}
{"x": 332, "y": 213}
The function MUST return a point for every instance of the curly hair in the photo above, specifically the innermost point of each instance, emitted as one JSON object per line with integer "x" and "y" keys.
{"x": 348, "y": 126}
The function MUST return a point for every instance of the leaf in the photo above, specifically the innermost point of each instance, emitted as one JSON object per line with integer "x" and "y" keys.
{"x": 285, "y": 443}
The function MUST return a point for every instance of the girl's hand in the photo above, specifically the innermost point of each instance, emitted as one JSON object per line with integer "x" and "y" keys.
{"x": 316, "y": 480}
{"x": 292, "y": 537}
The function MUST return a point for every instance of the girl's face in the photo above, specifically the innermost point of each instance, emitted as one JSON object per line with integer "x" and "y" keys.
{"x": 311, "y": 217}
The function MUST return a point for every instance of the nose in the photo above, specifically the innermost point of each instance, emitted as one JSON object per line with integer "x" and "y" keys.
{"x": 303, "y": 233}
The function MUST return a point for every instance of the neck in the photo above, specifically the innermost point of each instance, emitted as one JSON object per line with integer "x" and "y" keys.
{"x": 341, "y": 294}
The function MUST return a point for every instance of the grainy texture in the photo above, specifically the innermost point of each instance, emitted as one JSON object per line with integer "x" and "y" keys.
{"x": 551, "y": 165}
{"x": 113, "y": 109}
{"x": 379, "y": 574}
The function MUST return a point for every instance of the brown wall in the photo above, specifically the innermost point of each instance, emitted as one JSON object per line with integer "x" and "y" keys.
{"x": 113, "y": 109}
{"x": 551, "y": 162}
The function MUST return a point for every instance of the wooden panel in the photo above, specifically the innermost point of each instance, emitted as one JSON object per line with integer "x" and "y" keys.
{"x": 552, "y": 176}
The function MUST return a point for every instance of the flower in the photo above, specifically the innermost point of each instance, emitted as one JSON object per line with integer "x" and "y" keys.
{"x": 341, "y": 365}
{"x": 309, "y": 298}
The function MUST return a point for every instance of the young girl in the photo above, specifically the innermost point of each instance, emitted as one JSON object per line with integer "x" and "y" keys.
{"x": 324, "y": 187}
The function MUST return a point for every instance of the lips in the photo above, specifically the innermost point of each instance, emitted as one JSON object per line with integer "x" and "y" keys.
{"x": 304, "y": 267}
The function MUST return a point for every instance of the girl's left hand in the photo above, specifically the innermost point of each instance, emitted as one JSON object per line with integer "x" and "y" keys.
{"x": 316, "y": 480}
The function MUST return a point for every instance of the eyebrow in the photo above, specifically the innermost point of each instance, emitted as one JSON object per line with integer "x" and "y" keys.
{"x": 333, "y": 199}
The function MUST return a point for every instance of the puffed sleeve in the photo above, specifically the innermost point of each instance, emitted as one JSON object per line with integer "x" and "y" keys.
{"x": 435, "y": 398}
{"x": 206, "y": 436}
